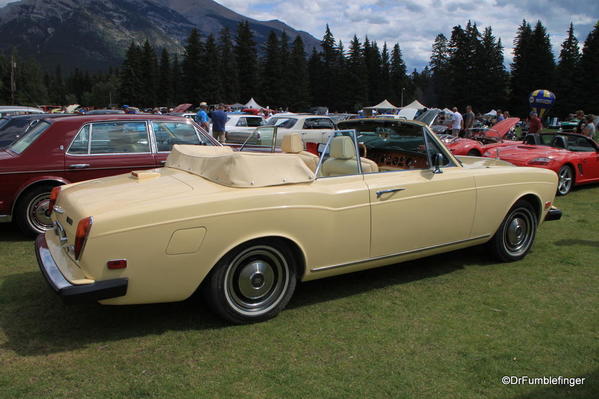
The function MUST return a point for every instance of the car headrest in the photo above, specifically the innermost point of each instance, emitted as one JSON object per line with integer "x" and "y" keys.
{"x": 342, "y": 147}
{"x": 558, "y": 142}
{"x": 292, "y": 143}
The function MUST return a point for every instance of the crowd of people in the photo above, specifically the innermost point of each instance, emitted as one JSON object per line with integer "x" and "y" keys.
{"x": 460, "y": 125}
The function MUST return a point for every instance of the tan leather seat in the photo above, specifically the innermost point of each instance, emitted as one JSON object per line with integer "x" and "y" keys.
{"x": 293, "y": 144}
{"x": 343, "y": 159}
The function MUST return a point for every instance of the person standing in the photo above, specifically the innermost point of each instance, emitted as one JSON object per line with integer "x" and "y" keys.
{"x": 457, "y": 122}
{"x": 202, "y": 117}
{"x": 534, "y": 123}
{"x": 580, "y": 117}
{"x": 500, "y": 116}
{"x": 589, "y": 128}
{"x": 469, "y": 118}
{"x": 219, "y": 118}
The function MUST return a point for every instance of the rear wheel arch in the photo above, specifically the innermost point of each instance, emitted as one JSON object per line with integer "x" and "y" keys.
{"x": 28, "y": 208}
{"x": 32, "y": 185}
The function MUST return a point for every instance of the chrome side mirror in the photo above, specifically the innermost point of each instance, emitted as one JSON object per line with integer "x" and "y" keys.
{"x": 437, "y": 162}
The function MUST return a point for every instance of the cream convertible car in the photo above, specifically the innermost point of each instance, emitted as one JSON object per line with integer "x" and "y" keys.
{"x": 245, "y": 227}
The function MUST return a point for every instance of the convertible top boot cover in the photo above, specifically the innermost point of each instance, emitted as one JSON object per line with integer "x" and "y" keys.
{"x": 237, "y": 169}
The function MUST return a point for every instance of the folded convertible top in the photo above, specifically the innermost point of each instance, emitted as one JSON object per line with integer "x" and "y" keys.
{"x": 224, "y": 166}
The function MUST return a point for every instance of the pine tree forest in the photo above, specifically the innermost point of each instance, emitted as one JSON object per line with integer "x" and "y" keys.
{"x": 466, "y": 68}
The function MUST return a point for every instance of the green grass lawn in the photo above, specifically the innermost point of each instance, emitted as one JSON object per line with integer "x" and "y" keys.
{"x": 449, "y": 326}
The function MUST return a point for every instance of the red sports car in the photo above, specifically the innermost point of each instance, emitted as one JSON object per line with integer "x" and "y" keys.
{"x": 574, "y": 157}
{"x": 482, "y": 140}
{"x": 63, "y": 150}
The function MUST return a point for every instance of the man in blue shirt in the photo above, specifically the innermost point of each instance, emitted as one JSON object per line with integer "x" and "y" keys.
{"x": 202, "y": 117}
{"x": 219, "y": 118}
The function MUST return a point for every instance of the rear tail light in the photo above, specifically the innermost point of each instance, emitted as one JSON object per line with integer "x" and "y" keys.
{"x": 83, "y": 229}
{"x": 53, "y": 197}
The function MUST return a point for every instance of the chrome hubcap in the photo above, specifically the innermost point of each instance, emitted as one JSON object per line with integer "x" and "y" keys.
{"x": 516, "y": 232}
{"x": 565, "y": 180}
{"x": 37, "y": 213}
{"x": 519, "y": 232}
{"x": 256, "y": 280}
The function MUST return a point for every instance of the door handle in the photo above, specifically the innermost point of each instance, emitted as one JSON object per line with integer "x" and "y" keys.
{"x": 391, "y": 190}
{"x": 79, "y": 166}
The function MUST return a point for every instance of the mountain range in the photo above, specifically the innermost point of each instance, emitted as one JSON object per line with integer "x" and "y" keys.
{"x": 94, "y": 34}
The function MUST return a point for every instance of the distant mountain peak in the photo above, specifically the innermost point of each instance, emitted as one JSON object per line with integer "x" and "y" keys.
{"x": 94, "y": 34}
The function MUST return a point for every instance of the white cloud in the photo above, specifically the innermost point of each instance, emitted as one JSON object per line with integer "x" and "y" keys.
{"x": 414, "y": 24}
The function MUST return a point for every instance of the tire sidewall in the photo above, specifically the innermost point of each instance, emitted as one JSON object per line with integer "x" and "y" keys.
{"x": 499, "y": 239}
{"x": 216, "y": 290}
{"x": 22, "y": 208}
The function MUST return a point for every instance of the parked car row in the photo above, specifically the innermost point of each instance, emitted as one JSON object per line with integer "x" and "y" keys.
{"x": 55, "y": 150}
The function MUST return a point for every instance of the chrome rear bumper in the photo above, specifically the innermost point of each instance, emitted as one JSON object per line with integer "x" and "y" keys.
{"x": 71, "y": 293}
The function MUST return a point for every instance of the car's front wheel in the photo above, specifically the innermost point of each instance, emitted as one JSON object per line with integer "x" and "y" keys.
{"x": 515, "y": 236}
{"x": 253, "y": 282}
{"x": 566, "y": 180}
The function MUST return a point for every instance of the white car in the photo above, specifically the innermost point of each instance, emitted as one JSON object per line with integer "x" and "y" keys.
{"x": 312, "y": 128}
{"x": 243, "y": 122}
{"x": 7, "y": 110}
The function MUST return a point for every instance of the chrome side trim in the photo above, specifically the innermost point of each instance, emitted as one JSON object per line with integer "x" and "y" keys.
{"x": 5, "y": 218}
{"x": 412, "y": 251}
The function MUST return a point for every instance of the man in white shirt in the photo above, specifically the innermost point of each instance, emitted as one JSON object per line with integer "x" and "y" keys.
{"x": 457, "y": 122}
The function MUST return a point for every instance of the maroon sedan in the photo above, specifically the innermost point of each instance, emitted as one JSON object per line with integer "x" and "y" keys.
{"x": 58, "y": 151}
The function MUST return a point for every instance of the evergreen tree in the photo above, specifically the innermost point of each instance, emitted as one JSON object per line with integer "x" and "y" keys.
{"x": 357, "y": 73}
{"x": 492, "y": 78}
{"x": 165, "y": 82}
{"x": 522, "y": 69}
{"x": 272, "y": 73}
{"x": 149, "y": 75}
{"x": 385, "y": 79}
{"x": 542, "y": 59}
{"x": 398, "y": 76}
{"x": 246, "y": 57}
{"x": 590, "y": 71}
{"x": 229, "y": 69}
{"x": 193, "y": 67}
{"x": 284, "y": 55}
{"x": 439, "y": 68}
{"x": 213, "y": 92}
{"x": 372, "y": 59}
{"x": 567, "y": 85}
{"x": 299, "y": 96}
{"x": 177, "y": 82}
{"x": 316, "y": 76}
{"x": 327, "y": 94}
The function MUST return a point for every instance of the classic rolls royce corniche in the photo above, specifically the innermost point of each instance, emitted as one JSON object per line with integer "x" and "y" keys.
{"x": 244, "y": 228}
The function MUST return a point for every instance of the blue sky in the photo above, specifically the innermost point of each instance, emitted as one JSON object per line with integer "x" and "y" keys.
{"x": 415, "y": 23}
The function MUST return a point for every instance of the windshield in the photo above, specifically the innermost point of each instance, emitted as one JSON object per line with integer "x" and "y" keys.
{"x": 31, "y": 135}
{"x": 284, "y": 123}
{"x": 12, "y": 129}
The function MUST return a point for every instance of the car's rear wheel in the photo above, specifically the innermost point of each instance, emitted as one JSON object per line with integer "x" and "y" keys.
{"x": 515, "y": 236}
{"x": 566, "y": 180}
{"x": 31, "y": 212}
{"x": 253, "y": 282}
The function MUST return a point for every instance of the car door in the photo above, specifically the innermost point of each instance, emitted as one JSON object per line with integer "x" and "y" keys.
{"x": 109, "y": 148}
{"x": 413, "y": 208}
{"x": 585, "y": 154}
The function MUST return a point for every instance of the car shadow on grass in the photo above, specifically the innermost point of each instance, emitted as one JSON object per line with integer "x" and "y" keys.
{"x": 588, "y": 243}
{"x": 9, "y": 232}
{"x": 356, "y": 283}
{"x": 36, "y": 322}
